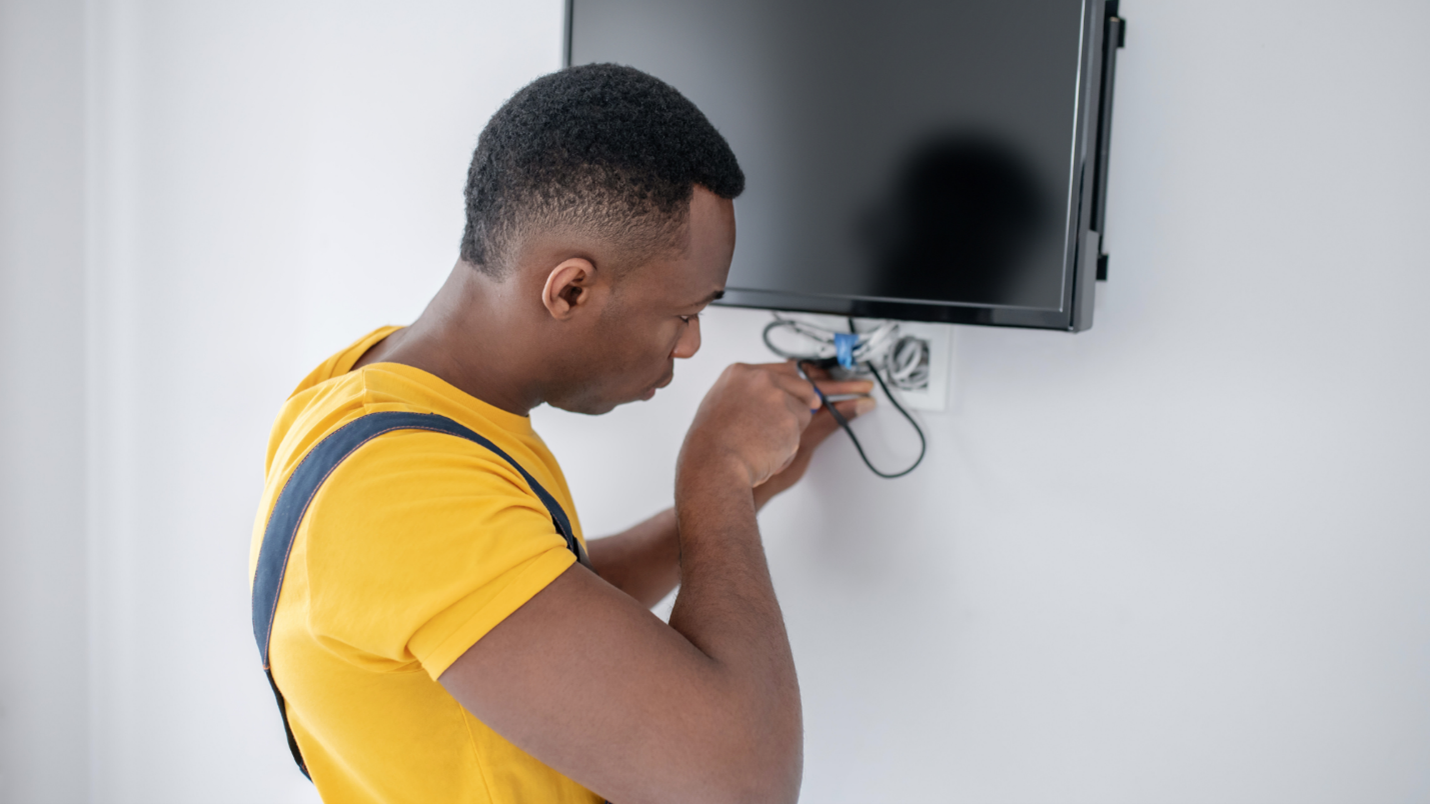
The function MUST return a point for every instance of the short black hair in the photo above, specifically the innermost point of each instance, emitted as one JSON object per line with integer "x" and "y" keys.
{"x": 601, "y": 147}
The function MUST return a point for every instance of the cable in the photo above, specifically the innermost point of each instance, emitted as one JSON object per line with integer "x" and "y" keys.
{"x": 844, "y": 423}
{"x": 904, "y": 359}
{"x": 880, "y": 351}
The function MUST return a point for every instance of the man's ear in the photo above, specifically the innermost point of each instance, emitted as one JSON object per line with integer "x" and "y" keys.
{"x": 569, "y": 287}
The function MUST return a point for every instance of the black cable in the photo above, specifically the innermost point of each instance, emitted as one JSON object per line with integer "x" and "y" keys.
{"x": 778, "y": 322}
{"x": 844, "y": 423}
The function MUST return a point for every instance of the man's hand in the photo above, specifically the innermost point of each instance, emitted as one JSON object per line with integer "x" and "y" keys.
{"x": 760, "y": 420}
{"x": 820, "y": 427}
{"x": 644, "y": 561}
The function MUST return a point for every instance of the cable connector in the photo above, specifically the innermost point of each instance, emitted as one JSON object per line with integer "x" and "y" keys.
{"x": 844, "y": 343}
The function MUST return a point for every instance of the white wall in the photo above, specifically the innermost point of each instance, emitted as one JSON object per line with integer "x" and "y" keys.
{"x": 1180, "y": 557}
{"x": 43, "y": 638}
{"x": 265, "y": 180}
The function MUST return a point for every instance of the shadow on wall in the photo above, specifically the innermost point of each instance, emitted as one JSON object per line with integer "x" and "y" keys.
{"x": 958, "y": 223}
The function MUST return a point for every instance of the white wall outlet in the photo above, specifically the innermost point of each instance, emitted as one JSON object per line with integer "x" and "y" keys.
{"x": 933, "y": 396}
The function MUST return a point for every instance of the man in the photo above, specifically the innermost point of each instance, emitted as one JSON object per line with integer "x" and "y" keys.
{"x": 434, "y": 637}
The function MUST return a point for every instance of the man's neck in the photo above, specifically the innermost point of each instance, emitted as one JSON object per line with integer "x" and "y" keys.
{"x": 464, "y": 339}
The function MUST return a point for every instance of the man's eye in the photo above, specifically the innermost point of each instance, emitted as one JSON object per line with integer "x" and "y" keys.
{"x": 688, "y": 318}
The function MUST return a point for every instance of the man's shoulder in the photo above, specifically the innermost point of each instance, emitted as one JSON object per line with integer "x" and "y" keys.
{"x": 396, "y": 461}
{"x": 343, "y": 361}
{"x": 405, "y": 488}
{"x": 411, "y": 465}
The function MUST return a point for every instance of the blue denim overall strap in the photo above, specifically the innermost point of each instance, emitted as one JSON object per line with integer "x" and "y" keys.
{"x": 303, "y": 485}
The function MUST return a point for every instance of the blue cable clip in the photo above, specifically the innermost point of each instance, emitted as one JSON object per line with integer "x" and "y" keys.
{"x": 844, "y": 343}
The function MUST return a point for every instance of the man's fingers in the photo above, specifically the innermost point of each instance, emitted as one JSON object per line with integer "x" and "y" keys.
{"x": 842, "y": 387}
{"x": 821, "y": 378}
{"x": 787, "y": 377}
{"x": 786, "y": 374}
{"x": 820, "y": 427}
{"x": 852, "y": 408}
{"x": 795, "y": 386}
{"x": 815, "y": 372}
{"x": 784, "y": 367}
{"x": 824, "y": 424}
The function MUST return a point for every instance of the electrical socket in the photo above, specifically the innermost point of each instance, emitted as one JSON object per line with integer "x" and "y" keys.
{"x": 933, "y": 397}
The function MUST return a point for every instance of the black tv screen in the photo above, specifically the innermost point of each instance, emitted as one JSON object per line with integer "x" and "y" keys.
{"x": 914, "y": 159}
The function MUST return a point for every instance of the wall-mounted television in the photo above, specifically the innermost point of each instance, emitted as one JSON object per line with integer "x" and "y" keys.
{"x": 933, "y": 160}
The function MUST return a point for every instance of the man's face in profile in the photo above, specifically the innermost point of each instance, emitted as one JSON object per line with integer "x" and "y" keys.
{"x": 651, "y": 316}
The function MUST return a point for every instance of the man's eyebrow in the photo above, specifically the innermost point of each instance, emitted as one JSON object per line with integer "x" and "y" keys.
{"x": 714, "y": 296}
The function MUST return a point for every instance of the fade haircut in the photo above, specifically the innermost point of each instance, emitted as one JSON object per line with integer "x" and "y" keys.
{"x": 599, "y": 148}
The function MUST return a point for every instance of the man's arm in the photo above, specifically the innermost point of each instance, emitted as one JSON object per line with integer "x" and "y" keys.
{"x": 644, "y": 561}
{"x": 705, "y": 709}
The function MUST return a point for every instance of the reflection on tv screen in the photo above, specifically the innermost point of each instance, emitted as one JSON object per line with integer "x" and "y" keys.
{"x": 901, "y": 150}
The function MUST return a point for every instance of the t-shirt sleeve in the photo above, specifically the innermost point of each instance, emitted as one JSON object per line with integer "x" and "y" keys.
{"x": 418, "y": 545}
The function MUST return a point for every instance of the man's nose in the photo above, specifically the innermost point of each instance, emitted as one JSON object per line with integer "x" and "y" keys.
{"x": 689, "y": 342}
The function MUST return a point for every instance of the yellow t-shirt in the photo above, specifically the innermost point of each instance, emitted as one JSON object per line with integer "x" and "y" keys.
{"x": 413, "y": 549}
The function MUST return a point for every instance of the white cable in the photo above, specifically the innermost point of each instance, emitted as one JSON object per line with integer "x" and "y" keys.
{"x": 903, "y": 359}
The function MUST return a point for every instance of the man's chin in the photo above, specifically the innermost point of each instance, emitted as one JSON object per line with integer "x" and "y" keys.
{"x": 592, "y": 407}
{"x": 597, "y": 406}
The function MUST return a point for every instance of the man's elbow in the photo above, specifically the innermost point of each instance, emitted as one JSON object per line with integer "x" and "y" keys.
{"x": 774, "y": 779}
{"x": 763, "y": 761}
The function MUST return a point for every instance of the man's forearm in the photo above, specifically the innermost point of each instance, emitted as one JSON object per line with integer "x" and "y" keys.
{"x": 644, "y": 561}
{"x": 727, "y": 609}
